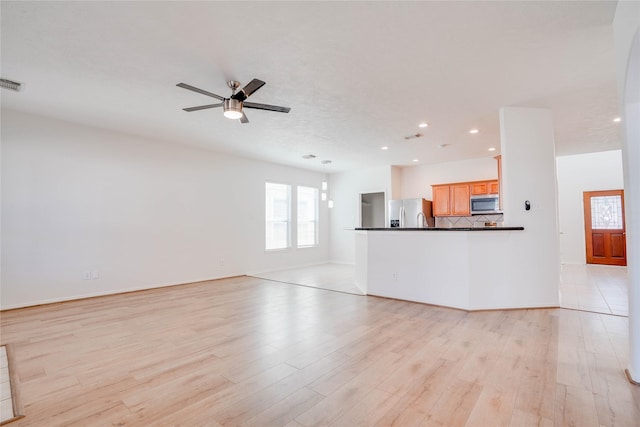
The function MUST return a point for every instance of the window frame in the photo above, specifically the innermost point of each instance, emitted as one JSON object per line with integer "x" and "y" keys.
{"x": 268, "y": 221}
{"x": 316, "y": 217}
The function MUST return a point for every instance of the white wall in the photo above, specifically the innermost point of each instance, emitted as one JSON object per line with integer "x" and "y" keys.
{"x": 396, "y": 183}
{"x": 462, "y": 269}
{"x": 577, "y": 174}
{"x": 141, "y": 213}
{"x": 529, "y": 173}
{"x": 345, "y": 189}
{"x": 626, "y": 26}
{"x": 417, "y": 180}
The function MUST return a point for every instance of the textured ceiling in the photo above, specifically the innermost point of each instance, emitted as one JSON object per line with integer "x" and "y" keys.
{"x": 357, "y": 75}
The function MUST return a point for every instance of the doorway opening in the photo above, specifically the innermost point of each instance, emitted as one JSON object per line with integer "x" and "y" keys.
{"x": 372, "y": 210}
{"x": 604, "y": 227}
{"x": 602, "y": 284}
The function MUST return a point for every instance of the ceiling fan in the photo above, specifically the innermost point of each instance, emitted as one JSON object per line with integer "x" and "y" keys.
{"x": 233, "y": 105}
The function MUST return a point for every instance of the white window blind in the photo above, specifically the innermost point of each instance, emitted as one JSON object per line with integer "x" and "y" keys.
{"x": 307, "y": 216}
{"x": 277, "y": 216}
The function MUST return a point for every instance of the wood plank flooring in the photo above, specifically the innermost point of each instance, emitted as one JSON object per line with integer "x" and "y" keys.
{"x": 251, "y": 352}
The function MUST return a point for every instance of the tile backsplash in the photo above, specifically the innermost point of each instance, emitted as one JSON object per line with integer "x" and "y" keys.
{"x": 465, "y": 221}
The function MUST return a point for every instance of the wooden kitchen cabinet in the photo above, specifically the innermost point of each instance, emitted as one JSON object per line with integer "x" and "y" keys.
{"x": 460, "y": 205}
{"x": 441, "y": 200}
{"x": 478, "y": 188}
{"x": 451, "y": 200}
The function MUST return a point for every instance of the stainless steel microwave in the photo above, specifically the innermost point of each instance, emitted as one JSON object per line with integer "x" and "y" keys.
{"x": 485, "y": 204}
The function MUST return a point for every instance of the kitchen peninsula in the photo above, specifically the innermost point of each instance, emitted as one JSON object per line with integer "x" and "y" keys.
{"x": 465, "y": 268}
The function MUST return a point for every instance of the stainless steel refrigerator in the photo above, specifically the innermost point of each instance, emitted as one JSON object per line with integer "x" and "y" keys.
{"x": 407, "y": 213}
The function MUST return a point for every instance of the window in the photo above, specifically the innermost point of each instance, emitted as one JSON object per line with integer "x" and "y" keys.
{"x": 307, "y": 216}
{"x": 278, "y": 216}
{"x": 606, "y": 213}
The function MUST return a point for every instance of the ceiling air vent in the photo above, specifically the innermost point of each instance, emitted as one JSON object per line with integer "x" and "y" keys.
{"x": 10, "y": 84}
{"x": 417, "y": 135}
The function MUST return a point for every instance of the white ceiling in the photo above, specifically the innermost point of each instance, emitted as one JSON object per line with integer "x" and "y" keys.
{"x": 357, "y": 75}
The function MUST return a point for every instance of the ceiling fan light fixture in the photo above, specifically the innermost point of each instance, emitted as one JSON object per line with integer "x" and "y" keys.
{"x": 232, "y": 108}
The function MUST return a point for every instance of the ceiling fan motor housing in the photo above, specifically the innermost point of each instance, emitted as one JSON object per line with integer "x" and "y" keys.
{"x": 232, "y": 108}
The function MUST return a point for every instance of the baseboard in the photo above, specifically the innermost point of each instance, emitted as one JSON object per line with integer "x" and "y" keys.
{"x": 341, "y": 263}
{"x": 14, "y": 386}
{"x": 107, "y": 293}
{"x": 631, "y": 380}
{"x": 289, "y": 267}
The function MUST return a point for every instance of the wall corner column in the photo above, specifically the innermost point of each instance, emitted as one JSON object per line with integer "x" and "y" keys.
{"x": 530, "y": 200}
{"x": 626, "y": 26}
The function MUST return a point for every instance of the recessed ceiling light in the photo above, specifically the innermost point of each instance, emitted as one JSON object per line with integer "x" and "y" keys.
{"x": 423, "y": 125}
{"x": 474, "y": 131}
{"x": 384, "y": 148}
{"x": 617, "y": 119}
{"x": 492, "y": 149}
{"x": 416, "y": 160}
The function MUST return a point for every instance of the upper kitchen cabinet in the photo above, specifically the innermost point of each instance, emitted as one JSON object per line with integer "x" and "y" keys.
{"x": 479, "y": 188}
{"x": 460, "y": 205}
{"x": 451, "y": 200}
{"x": 441, "y": 196}
{"x": 484, "y": 187}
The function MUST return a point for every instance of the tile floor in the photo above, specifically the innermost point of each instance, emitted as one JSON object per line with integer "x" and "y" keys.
{"x": 330, "y": 276}
{"x": 6, "y": 408}
{"x": 597, "y": 288}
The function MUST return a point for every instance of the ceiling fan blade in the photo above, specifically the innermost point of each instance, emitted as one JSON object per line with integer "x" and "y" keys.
{"x": 244, "y": 119}
{"x": 203, "y": 107}
{"x": 250, "y": 87}
{"x": 195, "y": 89}
{"x": 266, "y": 107}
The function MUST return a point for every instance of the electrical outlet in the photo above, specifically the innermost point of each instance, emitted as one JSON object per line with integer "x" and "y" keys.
{"x": 221, "y": 263}
{"x": 95, "y": 275}
{"x": 86, "y": 275}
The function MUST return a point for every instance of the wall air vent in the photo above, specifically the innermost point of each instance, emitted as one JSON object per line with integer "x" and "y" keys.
{"x": 10, "y": 84}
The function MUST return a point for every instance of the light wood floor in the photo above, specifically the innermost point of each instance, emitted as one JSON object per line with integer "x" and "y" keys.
{"x": 246, "y": 351}
{"x": 598, "y": 288}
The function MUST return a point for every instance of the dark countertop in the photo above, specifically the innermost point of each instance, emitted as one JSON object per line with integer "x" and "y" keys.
{"x": 442, "y": 229}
